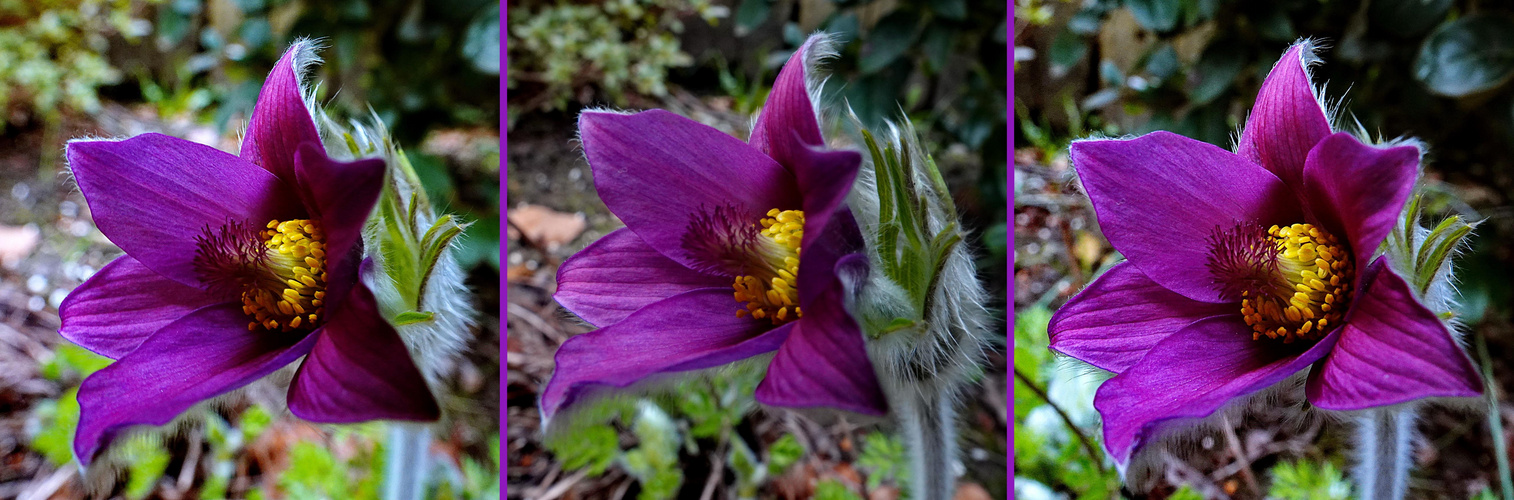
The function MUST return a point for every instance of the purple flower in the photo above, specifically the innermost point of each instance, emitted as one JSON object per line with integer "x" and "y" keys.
{"x": 1244, "y": 268}
{"x": 705, "y": 214}
{"x": 234, "y": 268}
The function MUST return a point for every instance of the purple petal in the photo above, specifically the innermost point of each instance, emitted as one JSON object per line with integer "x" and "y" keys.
{"x": 820, "y": 255}
{"x": 342, "y": 195}
{"x": 615, "y": 276}
{"x": 359, "y": 370}
{"x": 1160, "y": 196}
{"x": 153, "y": 195}
{"x": 205, "y": 354}
{"x": 657, "y": 171}
{"x": 280, "y": 121}
{"x": 825, "y": 177}
{"x": 1357, "y": 190}
{"x": 1391, "y": 350}
{"x": 1191, "y": 374}
{"x": 123, "y": 304}
{"x": 1287, "y": 120}
{"x": 1113, "y": 322}
{"x": 690, "y": 331}
{"x": 824, "y": 361}
{"x": 787, "y": 123}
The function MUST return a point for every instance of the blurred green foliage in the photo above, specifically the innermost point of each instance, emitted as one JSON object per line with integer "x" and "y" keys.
{"x": 1055, "y": 446}
{"x": 52, "y": 54}
{"x": 1308, "y": 480}
{"x": 664, "y": 425}
{"x": 831, "y": 489}
{"x": 885, "y": 458}
{"x": 941, "y": 63}
{"x": 580, "y": 52}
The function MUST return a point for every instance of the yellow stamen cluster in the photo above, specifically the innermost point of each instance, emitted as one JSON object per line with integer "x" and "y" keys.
{"x": 769, "y": 293}
{"x": 1316, "y": 273}
{"x": 293, "y": 295}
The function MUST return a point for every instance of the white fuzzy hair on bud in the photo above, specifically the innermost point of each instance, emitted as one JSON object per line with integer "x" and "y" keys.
{"x": 926, "y": 340}
{"x": 923, "y": 364}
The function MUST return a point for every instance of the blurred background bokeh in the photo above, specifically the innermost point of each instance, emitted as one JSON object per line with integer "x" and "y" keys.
{"x": 1437, "y": 70}
{"x": 192, "y": 69}
{"x": 941, "y": 62}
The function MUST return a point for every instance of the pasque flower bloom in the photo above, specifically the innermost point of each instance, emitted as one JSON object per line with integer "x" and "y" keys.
{"x": 234, "y": 268}
{"x": 1244, "y": 268}
{"x": 730, "y": 250}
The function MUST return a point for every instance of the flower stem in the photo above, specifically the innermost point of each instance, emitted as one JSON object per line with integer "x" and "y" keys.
{"x": 406, "y": 463}
{"x": 927, "y": 419}
{"x": 1495, "y": 420}
{"x": 1385, "y": 444}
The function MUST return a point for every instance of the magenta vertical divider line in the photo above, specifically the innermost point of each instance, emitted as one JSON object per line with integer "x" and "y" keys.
{"x": 504, "y": 287}
{"x": 1009, "y": 236}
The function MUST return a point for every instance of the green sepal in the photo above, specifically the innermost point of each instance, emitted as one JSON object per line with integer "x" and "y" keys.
{"x": 412, "y": 317}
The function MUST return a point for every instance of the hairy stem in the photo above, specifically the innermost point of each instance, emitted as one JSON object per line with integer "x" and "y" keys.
{"x": 1385, "y": 443}
{"x": 1495, "y": 420}
{"x": 928, "y": 422}
{"x": 406, "y": 462}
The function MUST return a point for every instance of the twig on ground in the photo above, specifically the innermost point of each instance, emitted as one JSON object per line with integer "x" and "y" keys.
{"x": 1242, "y": 459}
{"x": 1093, "y": 451}
{"x": 46, "y": 487}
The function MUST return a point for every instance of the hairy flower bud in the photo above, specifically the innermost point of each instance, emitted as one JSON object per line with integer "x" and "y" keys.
{"x": 923, "y": 307}
{"x": 409, "y": 246}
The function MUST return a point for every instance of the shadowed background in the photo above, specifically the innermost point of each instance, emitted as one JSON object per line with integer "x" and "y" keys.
{"x": 191, "y": 69}
{"x": 1437, "y": 70}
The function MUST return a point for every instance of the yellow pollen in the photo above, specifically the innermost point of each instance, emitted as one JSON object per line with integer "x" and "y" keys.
{"x": 290, "y": 297}
{"x": 770, "y": 291}
{"x": 1318, "y": 273}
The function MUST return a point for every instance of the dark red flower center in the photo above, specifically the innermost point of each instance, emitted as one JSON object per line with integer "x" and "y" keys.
{"x": 1293, "y": 282}
{"x": 279, "y": 272}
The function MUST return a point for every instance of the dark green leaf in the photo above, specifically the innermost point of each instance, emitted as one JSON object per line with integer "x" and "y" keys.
{"x": 889, "y": 40}
{"x": 211, "y": 39}
{"x": 750, "y": 14}
{"x": 1162, "y": 63}
{"x": 951, "y": 9}
{"x": 1155, "y": 15}
{"x": 793, "y": 34}
{"x": 1406, "y": 18}
{"x": 1467, "y": 56}
{"x": 1085, "y": 22}
{"x": 187, "y": 7}
{"x": 937, "y": 44}
{"x": 843, "y": 26}
{"x": 481, "y": 40}
{"x": 1274, "y": 25}
{"x": 256, "y": 32}
{"x": 1067, "y": 49}
{"x": 1111, "y": 74}
{"x": 251, "y": 5}
{"x": 994, "y": 239}
{"x": 172, "y": 26}
{"x": 1215, "y": 71}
